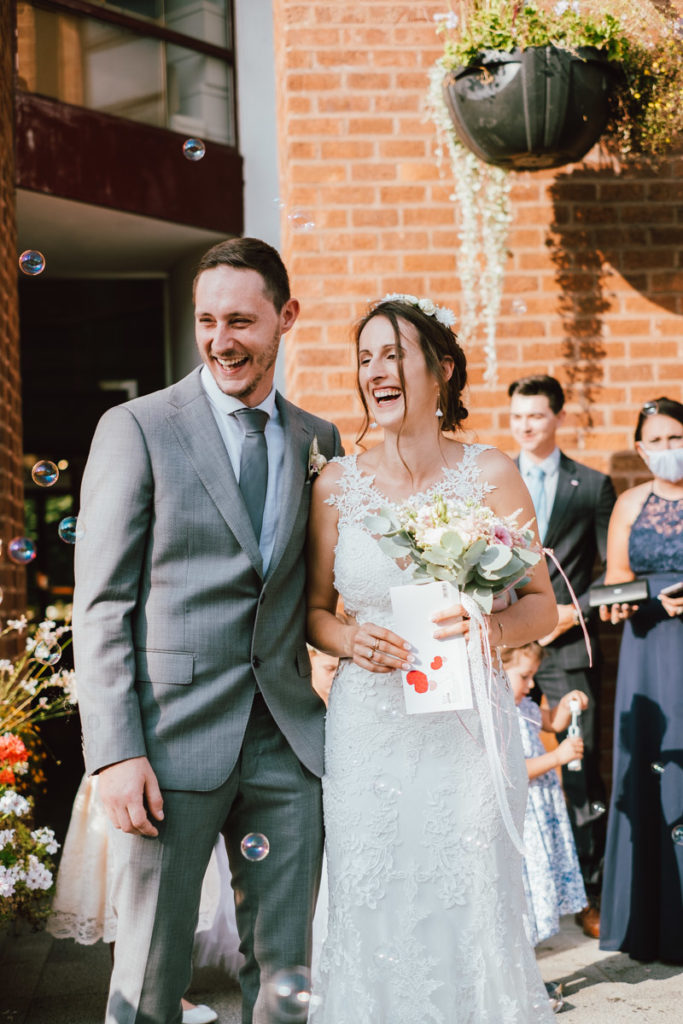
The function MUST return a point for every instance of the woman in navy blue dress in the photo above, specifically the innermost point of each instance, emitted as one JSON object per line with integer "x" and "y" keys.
{"x": 642, "y": 906}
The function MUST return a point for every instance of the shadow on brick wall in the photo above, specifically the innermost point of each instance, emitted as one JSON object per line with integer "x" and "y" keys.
{"x": 604, "y": 221}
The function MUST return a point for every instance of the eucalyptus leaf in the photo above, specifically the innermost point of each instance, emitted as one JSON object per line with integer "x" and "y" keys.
{"x": 528, "y": 555}
{"x": 437, "y": 556}
{"x": 475, "y": 552}
{"x": 378, "y": 524}
{"x": 453, "y": 543}
{"x": 391, "y": 548}
{"x": 495, "y": 557}
{"x": 483, "y": 597}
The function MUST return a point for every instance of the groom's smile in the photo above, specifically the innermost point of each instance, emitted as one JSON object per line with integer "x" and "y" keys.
{"x": 238, "y": 330}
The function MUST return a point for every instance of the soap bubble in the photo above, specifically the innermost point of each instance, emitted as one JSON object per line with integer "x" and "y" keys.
{"x": 279, "y": 203}
{"x": 32, "y": 262}
{"x": 47, "y": 653}
{"x": 255, "y": 846}
{"x": 518, "y": 306}
{"x": 598, "y": 808}
{"x": 21, "y": 550}
{"x": 301, "y": 221}
{"x": 193, "y": 149}
{"x": 387, "y": 786}
{"x": 288, "y": 994}
{"x": 658, "y": 768}
{"x": 677, "y": 834}
{"x": 70, "y": 530}
{"x": 45, "y": 473}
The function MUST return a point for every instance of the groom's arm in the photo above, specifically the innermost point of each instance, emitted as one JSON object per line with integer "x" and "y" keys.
{"x": 115, "y": 513}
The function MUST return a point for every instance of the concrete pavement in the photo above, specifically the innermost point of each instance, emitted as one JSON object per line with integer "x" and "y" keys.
{"x": 50, "y": 981}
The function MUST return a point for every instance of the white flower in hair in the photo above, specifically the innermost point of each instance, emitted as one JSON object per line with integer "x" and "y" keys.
{"x": 442, "y": 314}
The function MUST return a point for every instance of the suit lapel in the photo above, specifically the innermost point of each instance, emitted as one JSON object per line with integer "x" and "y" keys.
{"x": 195, "y": 427}
{"x": 294, "y": 471}
{"x": 568, "y": 484}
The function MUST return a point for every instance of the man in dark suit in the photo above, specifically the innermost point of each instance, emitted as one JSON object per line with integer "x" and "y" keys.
{"x": 573, "y": 506}
{"x": 194, "y": 679}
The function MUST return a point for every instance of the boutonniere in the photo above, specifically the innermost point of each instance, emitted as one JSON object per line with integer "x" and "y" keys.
{"x": 316, "y": 461}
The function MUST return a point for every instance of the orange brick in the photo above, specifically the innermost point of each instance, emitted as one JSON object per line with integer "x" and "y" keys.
{"x": 373, "y": 171}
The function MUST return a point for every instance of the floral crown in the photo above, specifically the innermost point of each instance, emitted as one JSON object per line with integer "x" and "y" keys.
{"x": 444, "y": 315}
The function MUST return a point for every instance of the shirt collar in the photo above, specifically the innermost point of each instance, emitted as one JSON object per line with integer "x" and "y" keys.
{"x": 227, "y": 403}
{"x": 550, "y": 465}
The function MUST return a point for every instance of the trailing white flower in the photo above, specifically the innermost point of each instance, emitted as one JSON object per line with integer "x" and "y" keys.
{"x": 6, "y": 837}
{"x": 482, "y": 196}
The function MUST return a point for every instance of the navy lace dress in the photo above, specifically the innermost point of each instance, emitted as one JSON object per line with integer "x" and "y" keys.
{"x": 642, "y": 905}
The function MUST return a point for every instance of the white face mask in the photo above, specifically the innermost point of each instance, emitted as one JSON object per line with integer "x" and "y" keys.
{"x": 667, "y": 464}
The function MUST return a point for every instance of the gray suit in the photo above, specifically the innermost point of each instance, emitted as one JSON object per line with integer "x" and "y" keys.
{"x": 187, "y": 653}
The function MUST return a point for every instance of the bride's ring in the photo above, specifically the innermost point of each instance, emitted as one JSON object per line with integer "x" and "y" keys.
{"x": 371, "y": 655}
{"x": 376, "y": 643}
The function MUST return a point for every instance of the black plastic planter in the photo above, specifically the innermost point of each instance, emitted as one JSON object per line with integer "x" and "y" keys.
{"x": 531, "y": 109}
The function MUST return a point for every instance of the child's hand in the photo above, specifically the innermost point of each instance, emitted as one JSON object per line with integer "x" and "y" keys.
{"x": 577, "y": 695}
{"x": 569, "y": 750}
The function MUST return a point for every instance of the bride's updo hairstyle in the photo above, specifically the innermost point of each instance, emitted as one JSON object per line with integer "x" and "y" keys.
{"x": 437, "y": 341}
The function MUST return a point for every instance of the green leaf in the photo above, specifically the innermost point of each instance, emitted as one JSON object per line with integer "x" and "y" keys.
{"x": 528, "y": 555}
{"x": 378, "y": 524}
{"x": 391, "y": 548}
{"x": 452, "y": 542}
{"x": 437, "y": 556}
{"x": 483, "y": 597}
{"x": 496, "y": 557}
{"x": 475, "y": 552}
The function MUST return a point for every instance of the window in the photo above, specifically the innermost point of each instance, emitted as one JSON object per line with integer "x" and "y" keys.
{"x": 162, "y": 62}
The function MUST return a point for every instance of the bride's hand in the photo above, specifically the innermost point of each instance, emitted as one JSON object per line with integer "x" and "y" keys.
{"x": 453, "y": 621}
{"x": 377, "y": 649}
{"x": 456, "y": 622}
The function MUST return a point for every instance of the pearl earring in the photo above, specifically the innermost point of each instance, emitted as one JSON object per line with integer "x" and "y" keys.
{"x": 373, "y": 425}
{"x": 439, "y": 414}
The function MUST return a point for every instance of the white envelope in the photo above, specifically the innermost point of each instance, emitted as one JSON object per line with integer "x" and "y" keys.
{"x": 439, "y": 678}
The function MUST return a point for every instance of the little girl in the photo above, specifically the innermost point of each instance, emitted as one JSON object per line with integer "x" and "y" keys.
{"x": 552, "y": 876}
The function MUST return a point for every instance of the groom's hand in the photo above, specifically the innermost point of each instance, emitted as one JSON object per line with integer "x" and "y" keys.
{"x": 129, "y": 790}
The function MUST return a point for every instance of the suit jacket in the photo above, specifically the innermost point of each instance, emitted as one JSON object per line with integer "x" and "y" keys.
{"x": 175, "y": 622}
{"x": 577, "y": 533}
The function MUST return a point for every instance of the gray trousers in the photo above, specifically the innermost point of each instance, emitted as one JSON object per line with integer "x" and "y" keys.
{"x": 158, "y": 881}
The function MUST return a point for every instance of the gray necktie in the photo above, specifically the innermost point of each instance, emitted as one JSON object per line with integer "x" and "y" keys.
{"x": 537, "y": 492}
{"x": 253, "y": 463}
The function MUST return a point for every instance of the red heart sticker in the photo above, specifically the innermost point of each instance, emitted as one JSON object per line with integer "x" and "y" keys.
{"x": 418, "y": 680}
{"x": 437, "y": 663}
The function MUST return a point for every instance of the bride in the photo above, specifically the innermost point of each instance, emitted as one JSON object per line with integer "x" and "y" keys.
{"x": 426, "y": 902}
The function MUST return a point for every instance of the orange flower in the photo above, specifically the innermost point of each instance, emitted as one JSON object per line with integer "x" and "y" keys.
{"x": 6, "y": 777}
{"x": 12, "y": 749}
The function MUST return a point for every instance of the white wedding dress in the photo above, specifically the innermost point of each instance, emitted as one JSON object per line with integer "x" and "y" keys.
{"x": 426, "y": 901}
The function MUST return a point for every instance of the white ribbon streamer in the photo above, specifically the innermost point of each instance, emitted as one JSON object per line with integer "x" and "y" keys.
{"x": 484, "y": 683}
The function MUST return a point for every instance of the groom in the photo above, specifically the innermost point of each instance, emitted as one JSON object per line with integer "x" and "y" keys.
{"x": 194, "y": 679}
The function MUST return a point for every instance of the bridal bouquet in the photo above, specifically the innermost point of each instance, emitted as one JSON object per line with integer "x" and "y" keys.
{"x": 463, "y": 543}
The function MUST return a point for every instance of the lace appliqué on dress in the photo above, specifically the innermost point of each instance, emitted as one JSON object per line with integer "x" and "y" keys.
{"x": 656, "y": 539}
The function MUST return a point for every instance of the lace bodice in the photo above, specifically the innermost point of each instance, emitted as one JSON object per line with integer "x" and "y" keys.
{"x": 656, "y": 540}
{"x": 363, "y": 573}
{"x": 426, "y": 903}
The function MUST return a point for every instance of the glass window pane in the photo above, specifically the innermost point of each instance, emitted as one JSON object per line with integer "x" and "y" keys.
{"x": 101, "y": 66}
{"x": 201, "y": 19}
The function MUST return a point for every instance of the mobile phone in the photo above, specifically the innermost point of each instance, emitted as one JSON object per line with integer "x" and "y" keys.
{"x": 619, "y": 593}
{"x": 673, "y": 590}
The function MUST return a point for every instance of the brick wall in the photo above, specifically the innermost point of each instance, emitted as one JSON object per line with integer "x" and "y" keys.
{"x": 596, "y": 251}
{"x": 593, "y": 287}
{"x": 11, "y": 494}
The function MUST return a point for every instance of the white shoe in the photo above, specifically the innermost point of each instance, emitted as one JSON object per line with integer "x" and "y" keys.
{"x": 199, "y": 1015}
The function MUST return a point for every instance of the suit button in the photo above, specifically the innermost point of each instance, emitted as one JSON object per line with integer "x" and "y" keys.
{"x": 255, "y": 662}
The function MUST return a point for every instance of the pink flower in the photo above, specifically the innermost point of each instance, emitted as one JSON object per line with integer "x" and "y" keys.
{"x": 503, "y": 535}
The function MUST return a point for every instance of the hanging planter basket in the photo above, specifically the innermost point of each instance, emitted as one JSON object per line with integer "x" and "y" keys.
{"x": 531, "y": 109}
